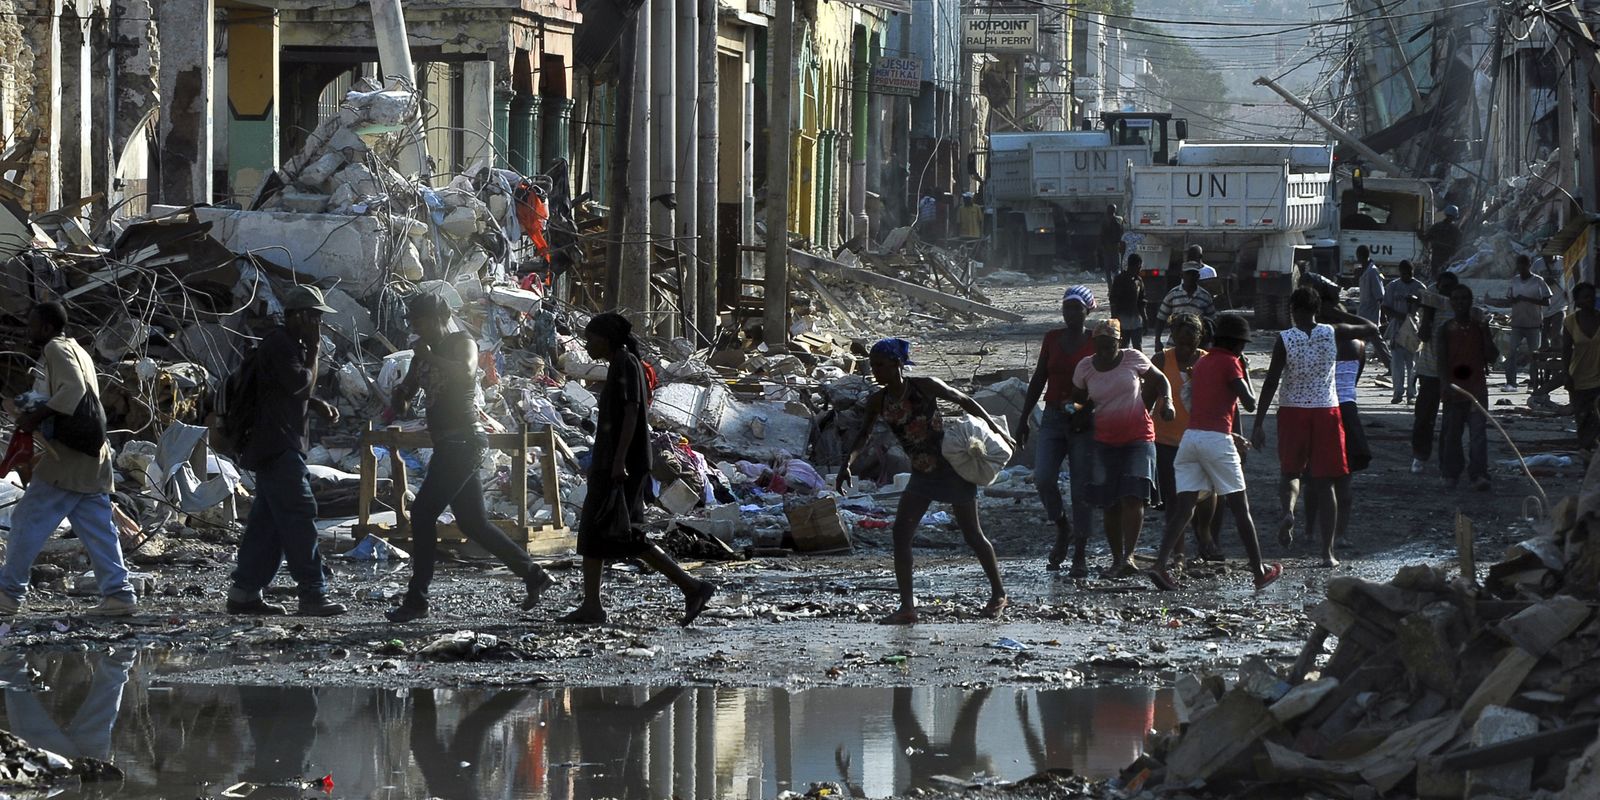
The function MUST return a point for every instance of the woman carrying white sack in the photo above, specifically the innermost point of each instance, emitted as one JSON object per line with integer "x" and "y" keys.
{"x": 910, "y": 407}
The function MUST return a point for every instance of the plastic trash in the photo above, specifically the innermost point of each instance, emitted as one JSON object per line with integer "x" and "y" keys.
{"x": 974, "y": 450}
{"x": 1008, "y": 643}
{"x": 372, "y": 548}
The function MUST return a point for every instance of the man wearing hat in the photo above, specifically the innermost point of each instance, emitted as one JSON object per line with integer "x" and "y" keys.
{"x": 282, "y": 524}
{"x": 1187, "y": 296}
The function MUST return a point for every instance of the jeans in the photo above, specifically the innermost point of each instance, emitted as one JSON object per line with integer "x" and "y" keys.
{"x": 1055, "y": 442}
{"x": 1403, "y": 363}
{"x": 453, "y": 482}
{"x": 1519, "y": 336}
{"x": 281, "y": 528}
{"x": 41, "y": 510}
{"x": 1457, "y": 416}
{"x": 1133, "y": 337}
{"x": 1424, "y": 414}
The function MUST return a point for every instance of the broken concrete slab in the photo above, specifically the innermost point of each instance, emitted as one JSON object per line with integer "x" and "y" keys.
{"x": 1500, "y": 724}
{"x": 912, "y": 290}
{"x": 1212, "y": 741}
{"x": 1302, "y": 699}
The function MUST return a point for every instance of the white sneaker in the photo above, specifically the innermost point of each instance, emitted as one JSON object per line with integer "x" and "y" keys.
{"x": 112, "y": 607}
{"x": 1416, "y": 466}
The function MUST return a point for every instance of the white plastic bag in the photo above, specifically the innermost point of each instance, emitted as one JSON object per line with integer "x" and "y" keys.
{"x": 977, "y": 453}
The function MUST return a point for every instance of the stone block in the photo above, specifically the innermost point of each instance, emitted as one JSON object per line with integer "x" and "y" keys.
{"x": 1500, "y": 724}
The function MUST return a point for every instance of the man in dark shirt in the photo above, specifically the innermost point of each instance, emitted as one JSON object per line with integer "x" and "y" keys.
{"x": 1444, "y": 239}
{"x": 1128, "y": 301}
{"x": 1466, "y": 348}
{"x": 282, "y": 523}
{"x": 1111, "y": 246}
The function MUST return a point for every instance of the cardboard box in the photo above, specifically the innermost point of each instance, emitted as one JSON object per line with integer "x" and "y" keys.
{"x": 817, "y": 528}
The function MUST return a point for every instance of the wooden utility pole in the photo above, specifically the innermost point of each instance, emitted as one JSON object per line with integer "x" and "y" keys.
{"x": 1332, "y": 127}
{"x": 706, "y": 198}
{"x": 634, "y": 291}
{"x": 780, "y": 135}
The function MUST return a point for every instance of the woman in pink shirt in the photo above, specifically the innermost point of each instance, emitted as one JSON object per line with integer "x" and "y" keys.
{"x": 1122, "y": 387}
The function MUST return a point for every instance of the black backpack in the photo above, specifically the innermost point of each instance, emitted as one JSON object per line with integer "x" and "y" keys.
{"x": 236, "y": 408}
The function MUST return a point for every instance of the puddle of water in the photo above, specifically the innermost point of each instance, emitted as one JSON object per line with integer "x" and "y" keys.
{"x": 186, "y": 740}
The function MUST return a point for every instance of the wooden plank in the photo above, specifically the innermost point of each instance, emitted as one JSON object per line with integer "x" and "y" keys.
{"x": 394, "y": 438}
{"x": 923, "y": 293}
{"x": 519, "y": 481}
{"x": 397, "y": 476}
{"x": 1501, "y": 685}
{"x": 369, "y": 483}
{"x": 832, "y": 303}
{"x": 1539, "y": 744}
{"x": 1464, "y": 538}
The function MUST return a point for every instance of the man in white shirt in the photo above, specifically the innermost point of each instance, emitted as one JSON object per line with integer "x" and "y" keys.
{"x": 1371, "y": 306}
{"x": 1528, "y": 296}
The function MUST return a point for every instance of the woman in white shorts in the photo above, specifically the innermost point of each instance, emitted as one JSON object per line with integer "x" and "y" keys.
{"x": 1209, "y": 456}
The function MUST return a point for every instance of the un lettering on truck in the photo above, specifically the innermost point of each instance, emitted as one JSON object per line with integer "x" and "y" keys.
{"x": 1263, "y": 199}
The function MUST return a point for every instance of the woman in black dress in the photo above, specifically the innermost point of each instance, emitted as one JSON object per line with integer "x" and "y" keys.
{"x": 444, "y": 365}
{"x": 621, "y": 456}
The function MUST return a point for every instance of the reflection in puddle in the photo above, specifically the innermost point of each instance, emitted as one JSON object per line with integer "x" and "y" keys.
{"x": 557, "y": 743}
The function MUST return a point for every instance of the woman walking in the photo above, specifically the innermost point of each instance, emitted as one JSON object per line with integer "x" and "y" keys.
{"x": 445, "y": 366}
{"x": 1065, "y": 431}
{"x": 1176, "y": 364}
{"x": 1122, "y": 386}
{"x": 910, "y": 407}
{"x": 621, "y": 457}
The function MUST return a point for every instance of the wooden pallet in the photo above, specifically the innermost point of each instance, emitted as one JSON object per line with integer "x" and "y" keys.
{"x": 548, "y": 539}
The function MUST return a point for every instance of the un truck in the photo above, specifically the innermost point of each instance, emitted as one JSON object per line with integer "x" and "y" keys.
{"x": 1248, "y": 204}
{"x": 1047, "y": 192}
{"x": 1389, "y": 216}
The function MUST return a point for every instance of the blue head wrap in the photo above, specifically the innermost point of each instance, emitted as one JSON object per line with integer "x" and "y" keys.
{"x": 897, "y": 349}
{"x": 1082, "y": 294}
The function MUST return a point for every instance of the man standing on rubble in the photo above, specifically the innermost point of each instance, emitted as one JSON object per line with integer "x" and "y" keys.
{"x": 1310, "y": 436}
{"x": 1444, "y": 239}
{"x": 1528, "y": 296}
{"x": 1111, "y": 246}
{"x": 282, "y": 524}
{"x": 73, "y": 481}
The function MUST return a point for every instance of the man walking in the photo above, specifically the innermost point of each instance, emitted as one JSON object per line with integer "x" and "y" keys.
{"x": 1426, "y": 412}
{"x": 1466, "y": 348}
{"x": 1187, "y": 296}
{"x": 1528, "y": 296}
{"x": 282, "y": 524}
{"x": 74, "y": 481}
{"x": 1128, "y": 302}
{"x": 1310, "y": 436}
{"x": 1398, "y": 298}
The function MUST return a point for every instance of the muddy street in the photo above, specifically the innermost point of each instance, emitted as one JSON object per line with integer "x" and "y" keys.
{"x": 785, "y": 680}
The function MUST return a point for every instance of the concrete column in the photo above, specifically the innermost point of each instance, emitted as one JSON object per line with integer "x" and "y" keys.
{"x": 633, "y": 280}
{"x": 664, "y": 130}
{"x": 502, "y": 126}
{"x": 184, "y": 136}
{"x": 688, "y": 157}
{"x": 478, "y": 113}
{"x": 77, "y": 154}
{"x": 536, "y": 103}
{"x": 706, "y": 194}
{"x": 556, "y": 141}
{"x": 522, "y": 134}
{"x": 859, "y": 136}
{"x": 252, "y": 99}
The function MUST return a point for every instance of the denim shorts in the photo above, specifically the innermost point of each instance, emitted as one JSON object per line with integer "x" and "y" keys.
{"x": 1124, "y": 471}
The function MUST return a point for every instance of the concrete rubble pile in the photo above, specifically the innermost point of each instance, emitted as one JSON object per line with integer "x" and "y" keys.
{"x": 1438, "y": 687}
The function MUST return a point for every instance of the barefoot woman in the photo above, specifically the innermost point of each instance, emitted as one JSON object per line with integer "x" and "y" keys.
{"x": 910, "y": 407}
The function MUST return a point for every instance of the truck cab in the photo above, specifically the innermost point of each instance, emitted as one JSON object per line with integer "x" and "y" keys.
{"x": 1154, "y": 130}
{"x": 1388, "y": 215}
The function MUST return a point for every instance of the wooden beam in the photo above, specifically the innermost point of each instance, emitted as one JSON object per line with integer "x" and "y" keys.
{"x": 923, "y": 293}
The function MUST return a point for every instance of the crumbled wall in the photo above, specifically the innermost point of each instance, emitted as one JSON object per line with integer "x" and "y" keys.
{"x": 138, "y": 60}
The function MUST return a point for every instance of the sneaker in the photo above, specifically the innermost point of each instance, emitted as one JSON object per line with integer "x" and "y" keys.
{"x": 245, "y": 603}
{"x": 112, "y": 607}
{"x": 1416, "y": 466}
{"x": 1274, "y": 571}
{"x": 9, "y": 605}
{"x": 1394, "y": 401}
{"x": 319, "y": 606}
{"x": 537, "y": 583}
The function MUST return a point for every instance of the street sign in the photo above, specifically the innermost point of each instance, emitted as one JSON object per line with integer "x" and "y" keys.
{"x": 1000, "y": 33}
{"x": 897, "y": 76}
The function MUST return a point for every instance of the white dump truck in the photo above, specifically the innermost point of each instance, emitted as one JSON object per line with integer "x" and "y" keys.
{"x": 1047, "y": 192}
{"x": 1248, "y": 204}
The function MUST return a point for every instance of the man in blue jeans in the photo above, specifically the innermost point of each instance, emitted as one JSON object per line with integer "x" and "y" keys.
{"x": 282, "y": 524}
{"x": 70, "y": 483}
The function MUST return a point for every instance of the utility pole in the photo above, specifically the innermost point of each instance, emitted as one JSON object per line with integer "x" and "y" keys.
{"x": 706, "y": 198}
{"x": 664, "y": 163}
{"x": 1339, "y": 133}
{"x": 635, "y": 285}
{"x": 394, "y": 58}
{"x": 688, "y": 155}
{"x": 780, "y": 136}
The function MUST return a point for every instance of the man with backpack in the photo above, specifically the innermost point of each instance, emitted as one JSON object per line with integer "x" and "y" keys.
{"x": 271, "y": 432}
{"x": 74, "y": 480}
